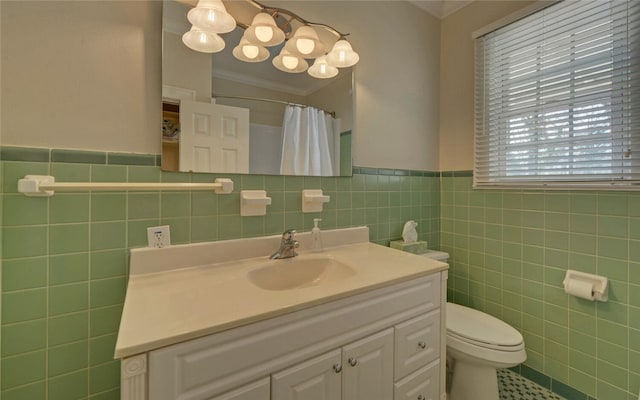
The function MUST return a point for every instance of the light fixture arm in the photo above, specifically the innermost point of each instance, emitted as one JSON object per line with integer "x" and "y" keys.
{"x": 271, "y": 26}
{"x": 292, "y": 15}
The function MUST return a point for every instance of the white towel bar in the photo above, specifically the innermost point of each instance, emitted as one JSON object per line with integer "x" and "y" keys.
{"x": 44, "y": 186}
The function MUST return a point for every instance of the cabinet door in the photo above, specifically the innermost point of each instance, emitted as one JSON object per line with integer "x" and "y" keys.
{"x": 316, "y": 379}
{"x": 258, "y": 390}
{"x": 368, "y": 368}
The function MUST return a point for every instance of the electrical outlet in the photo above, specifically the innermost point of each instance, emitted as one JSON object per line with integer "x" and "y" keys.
{"x": 159, "y": 236}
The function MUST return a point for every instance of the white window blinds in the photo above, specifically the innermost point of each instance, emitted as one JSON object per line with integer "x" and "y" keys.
{"x": 558, "y": 98}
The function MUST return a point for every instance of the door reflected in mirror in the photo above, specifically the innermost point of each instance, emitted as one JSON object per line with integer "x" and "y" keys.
{"x": 223, "y": 115}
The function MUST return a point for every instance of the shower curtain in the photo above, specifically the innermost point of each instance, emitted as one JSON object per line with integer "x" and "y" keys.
{"x": 305, "y": 142}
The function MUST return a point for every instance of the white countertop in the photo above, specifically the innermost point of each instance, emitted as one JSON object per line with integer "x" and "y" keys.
{"x": 174, "y": 305}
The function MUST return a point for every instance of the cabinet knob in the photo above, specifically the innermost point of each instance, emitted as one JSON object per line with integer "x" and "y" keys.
{"x": 337, "y": 368}
{"x": 422, "y": 345}
{"x": 352, "y": 361}
{"x": 421, "y": 397}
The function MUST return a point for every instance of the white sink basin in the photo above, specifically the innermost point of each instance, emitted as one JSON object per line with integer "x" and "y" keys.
{"x": 299, "y": 272}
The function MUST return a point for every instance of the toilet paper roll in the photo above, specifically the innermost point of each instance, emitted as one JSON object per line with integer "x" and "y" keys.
{"x": 580, "y": 289}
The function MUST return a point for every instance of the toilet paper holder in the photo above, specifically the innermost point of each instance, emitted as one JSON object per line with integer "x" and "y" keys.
{"x": 599, "y": 284}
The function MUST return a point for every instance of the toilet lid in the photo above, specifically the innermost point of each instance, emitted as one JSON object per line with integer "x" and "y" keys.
{"x": 480, "y": 327}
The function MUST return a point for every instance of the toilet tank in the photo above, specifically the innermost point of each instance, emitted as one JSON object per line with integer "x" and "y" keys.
{"x": 437, "y": 255}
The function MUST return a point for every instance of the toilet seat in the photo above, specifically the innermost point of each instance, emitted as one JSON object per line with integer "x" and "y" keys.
{"x": 490, "y": 346}
{"x": 477, "y": 354}
{"x": 480, "y": 329}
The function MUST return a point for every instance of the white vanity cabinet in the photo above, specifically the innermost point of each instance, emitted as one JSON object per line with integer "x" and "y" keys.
{"x": 378, "y": 344}
{"x": 360, "y": 370}
{"x": 259, "y": 390}
{"x": 368, "y": 368}
{"x": 417, "y": 343}
{"x": 316, "y": 379}
{"x": 420, "y": 385}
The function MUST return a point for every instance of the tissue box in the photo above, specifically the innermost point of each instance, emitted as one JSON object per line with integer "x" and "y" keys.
{"x": 418, "y": 247}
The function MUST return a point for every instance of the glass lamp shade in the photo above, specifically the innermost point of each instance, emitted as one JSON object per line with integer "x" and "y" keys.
{"x": 211, "y": 15}
{"x": 288, "y": 62}
{"x": 203, "y": 41}
{"x": 249, "y": 52}
{"x": 305, "y": 43}
{"x": 321, "y": 69}
{"x": 264, "y": 31}
{"x": 342, "y": 55}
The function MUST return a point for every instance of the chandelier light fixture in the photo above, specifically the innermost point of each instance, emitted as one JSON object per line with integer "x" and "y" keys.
{"x": 211, "y": 16}
{"x": 270, "y": 27}
{"x": 250, "y": 52}
{"x": 342, "y": 55}
{"x": 305, "y": 43}
{"x": 204, "y": 41}
{"x": 291, "y": 63}
{"x": 263, "y": 30}
{"x": 322, "y": 69}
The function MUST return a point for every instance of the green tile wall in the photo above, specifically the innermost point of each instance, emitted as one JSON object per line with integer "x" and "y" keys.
{"x": 64, "y": 262}
{"x": 65, "y": 257}
{"x": 509, "y": 252}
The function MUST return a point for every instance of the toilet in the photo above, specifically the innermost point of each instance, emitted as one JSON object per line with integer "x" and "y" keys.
{"x": 477, "y": 344}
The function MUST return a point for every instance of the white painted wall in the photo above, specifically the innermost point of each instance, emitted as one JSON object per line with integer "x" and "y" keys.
{"x": 336, "y": 97}
{"x": 81, "y": 75}
{"x": 396, "y": 81}
{"x": 184, "y": 59}
{"x": 87, "y": 75}
{"x": 456, "y": 78}
{"x": 262, "y": 112}
{"x": 265, "y": 149}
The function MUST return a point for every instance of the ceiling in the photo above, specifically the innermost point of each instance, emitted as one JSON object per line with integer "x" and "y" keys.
{"x": 441, "y": 8}
{"x": 438, "y": 8}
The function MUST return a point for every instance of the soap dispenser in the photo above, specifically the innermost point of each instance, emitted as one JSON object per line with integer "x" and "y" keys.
{"x": 316, "y": 240}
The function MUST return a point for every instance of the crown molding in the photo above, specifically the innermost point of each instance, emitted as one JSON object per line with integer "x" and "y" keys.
{"x": 440, "y": 8}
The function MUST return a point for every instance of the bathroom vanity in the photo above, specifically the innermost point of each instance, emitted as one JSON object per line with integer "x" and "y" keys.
{"x": 221, "y": 321}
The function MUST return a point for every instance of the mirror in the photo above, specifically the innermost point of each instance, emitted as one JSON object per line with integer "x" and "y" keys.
{"x": 247, "y": 103}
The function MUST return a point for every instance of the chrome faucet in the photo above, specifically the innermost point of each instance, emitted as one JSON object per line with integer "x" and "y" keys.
{"x": 288, "y": 246}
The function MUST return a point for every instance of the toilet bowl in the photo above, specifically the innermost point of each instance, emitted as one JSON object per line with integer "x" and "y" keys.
{"x": 478, "y": 344}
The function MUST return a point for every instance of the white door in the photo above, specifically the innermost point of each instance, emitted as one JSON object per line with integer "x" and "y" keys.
{"x": 213, "y": 138}
{"x": 368, "y": 368}
{"x": 316, "y": 379}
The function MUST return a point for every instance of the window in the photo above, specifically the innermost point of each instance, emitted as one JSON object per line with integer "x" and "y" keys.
{"x": 558, "y": 98}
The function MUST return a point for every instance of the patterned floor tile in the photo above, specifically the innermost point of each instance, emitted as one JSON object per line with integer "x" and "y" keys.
{"x": 515, "y": 387}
